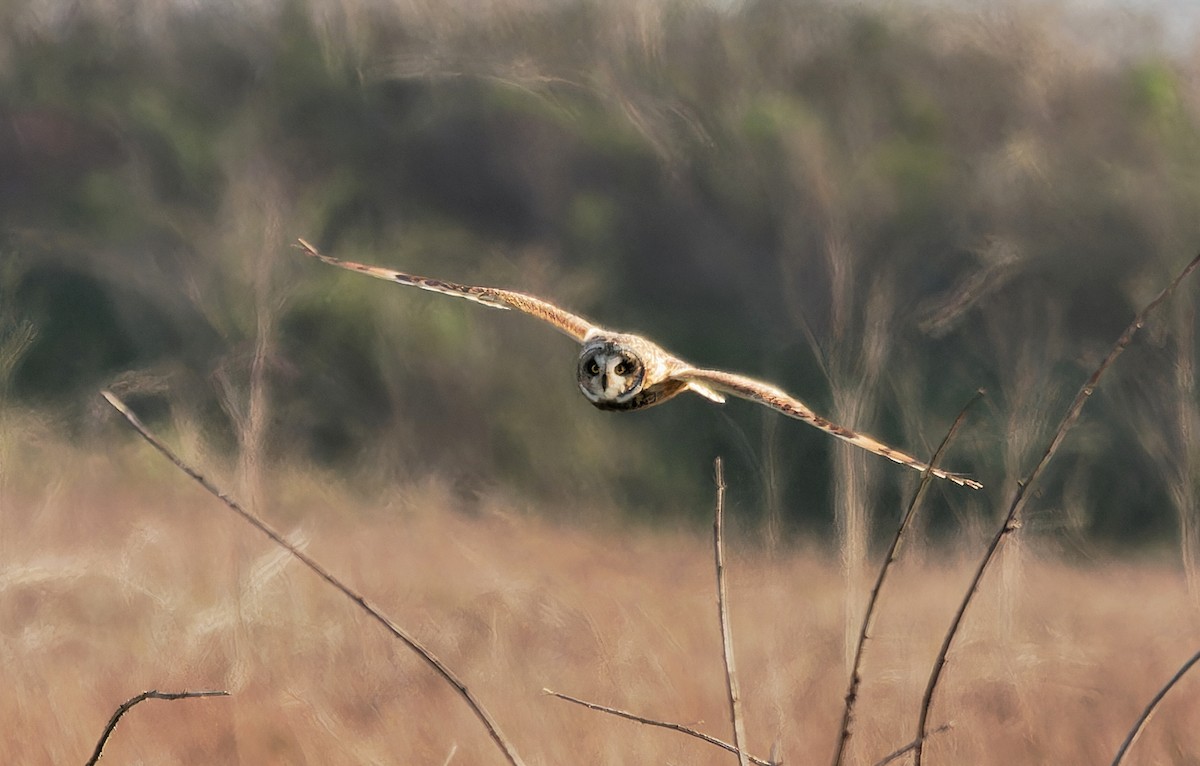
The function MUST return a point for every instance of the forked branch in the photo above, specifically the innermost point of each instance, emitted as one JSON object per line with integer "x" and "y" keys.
{"x": 888, "y": 560}
{"x": 1012, "y": 520}
{"x": 412, "y": 643}
{"x": 129, "y": 703}
{"x": 899, "y": 753}
{"x": 1144, "y": 718}
{"x": 735, "y": 700}
{"x": 661, "y": 724}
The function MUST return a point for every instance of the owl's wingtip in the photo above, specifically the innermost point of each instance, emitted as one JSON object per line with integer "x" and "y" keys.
{"x": 309, "y": 249}
{"x": 960, "y": 479}
{"x": 964, "y": 481}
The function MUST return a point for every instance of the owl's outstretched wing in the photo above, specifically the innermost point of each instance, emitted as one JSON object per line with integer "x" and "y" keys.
{"x": 575, "y": 326}
{"x": 764, "y": 393}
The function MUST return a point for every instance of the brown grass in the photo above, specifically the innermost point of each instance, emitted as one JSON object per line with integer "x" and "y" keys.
{"x": 112, "y": 586}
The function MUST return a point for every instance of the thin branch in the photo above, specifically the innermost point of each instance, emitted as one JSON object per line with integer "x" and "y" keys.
{"x": 129, "y": 703}
{"x": 661, "y": 724}
{"x": 425, "y": 654}
{"x": 1012, "y": 520}
{"x": 901, "y": 752}
{"x": 888, "y": 560}
{"x": 1136, "y": 731}
{"x": 735, "y": 694}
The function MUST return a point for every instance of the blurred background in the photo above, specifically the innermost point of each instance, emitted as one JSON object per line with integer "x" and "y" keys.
{"x": 879, "y": 207}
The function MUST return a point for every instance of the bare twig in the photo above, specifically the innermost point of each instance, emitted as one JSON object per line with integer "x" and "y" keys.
{"x": 1142, "y": 720}
{"x": 735, "y": 694}
{"x": 903, "y": 751}
{"x": 661, "y": 724}
{"x": 129, "y": 703}
{"x": 735, "y": 701}
{"x": 888, "y": 560}
{"x": 412, "y": 643}
{"x": 1012, "y": 520}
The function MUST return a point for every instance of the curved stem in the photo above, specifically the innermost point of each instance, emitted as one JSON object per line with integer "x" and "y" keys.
{"x": 1012, "y": 520}
{"x": 888, "y": 560}
{"x": 1144, "y": 718}
{"x": 411, "y": 642}
{"x": 129, "y": 703}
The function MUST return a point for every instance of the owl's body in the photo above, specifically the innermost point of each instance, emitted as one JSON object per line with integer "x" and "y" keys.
{"x": 619, "y": 371}
{"x": 624, "y": 372}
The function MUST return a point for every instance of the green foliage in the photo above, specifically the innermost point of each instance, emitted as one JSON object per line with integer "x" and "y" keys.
{"x": 766, "y": 187}
{"x": 78, "y": 341}
{"x": 1154, "y": 91}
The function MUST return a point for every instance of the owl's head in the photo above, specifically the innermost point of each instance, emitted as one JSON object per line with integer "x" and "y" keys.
{"x": 610, "y": 374}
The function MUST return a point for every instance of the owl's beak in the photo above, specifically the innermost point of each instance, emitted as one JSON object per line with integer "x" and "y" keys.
{"x": 604, "y": 381}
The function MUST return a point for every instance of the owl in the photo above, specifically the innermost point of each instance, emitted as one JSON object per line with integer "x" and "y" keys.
{"x": 623, "y": 372}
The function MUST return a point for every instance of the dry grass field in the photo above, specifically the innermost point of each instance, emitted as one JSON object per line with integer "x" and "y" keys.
{"x": 118, "y": 575}
{"x": 881, "y": 206}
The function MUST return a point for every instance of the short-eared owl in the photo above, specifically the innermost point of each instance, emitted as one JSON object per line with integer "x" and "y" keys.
{"x": 620, "y": 371}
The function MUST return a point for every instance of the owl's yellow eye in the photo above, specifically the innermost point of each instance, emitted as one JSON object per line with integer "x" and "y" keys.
{"x": 621, "y": 368}
{"x": 594, "y": 368}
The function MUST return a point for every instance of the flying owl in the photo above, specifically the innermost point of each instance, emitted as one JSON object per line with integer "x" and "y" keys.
{"x": 621, "y": 371}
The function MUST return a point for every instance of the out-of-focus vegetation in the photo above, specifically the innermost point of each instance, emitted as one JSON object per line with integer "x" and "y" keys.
{"x": 146, "y": 591}
{"x": 879, "y": 210}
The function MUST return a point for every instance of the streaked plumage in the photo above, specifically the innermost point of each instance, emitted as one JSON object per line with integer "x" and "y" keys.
{"x": 621, "y": 371}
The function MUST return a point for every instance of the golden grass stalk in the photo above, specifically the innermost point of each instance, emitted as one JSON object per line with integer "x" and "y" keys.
{"x": 424, "y": 653}
{"x": 1144, "y": 718}
{"x": 1182, "y": 489}
{"x": 731, "y": 679}
{"x": 873, "y": 600}
{"x": 1012, "y": 519}
{"x": 129, "y": 703}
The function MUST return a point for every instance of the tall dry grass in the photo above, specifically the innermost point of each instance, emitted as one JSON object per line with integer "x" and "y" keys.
{"x": 127, "y": 579}
{"x": 116, "y": 577}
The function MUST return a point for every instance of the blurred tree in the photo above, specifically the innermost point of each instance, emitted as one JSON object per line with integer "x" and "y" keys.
{"x": 879, "y": 209}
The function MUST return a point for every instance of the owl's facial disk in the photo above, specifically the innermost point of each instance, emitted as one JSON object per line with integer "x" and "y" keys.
{"x": 609, "y": 374}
